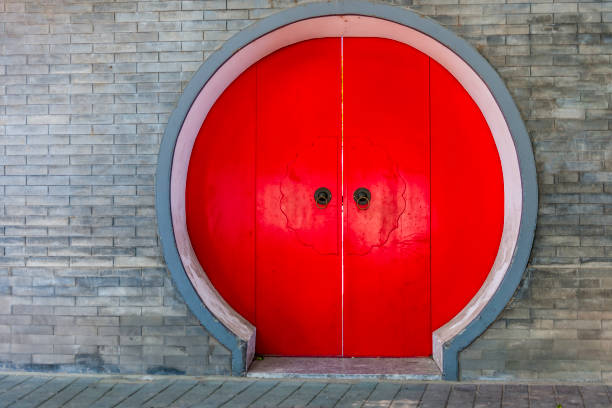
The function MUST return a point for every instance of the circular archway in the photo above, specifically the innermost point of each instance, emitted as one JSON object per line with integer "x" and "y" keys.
{"x": 350, "y": 21}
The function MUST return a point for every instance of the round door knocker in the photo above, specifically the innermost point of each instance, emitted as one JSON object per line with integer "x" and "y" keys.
{"x": 362, "y": 197}
{"x": 322, "y": 197}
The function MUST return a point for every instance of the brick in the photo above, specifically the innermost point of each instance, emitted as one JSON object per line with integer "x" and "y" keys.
{"x": 204, "y": 25}
{"x": 70, "y": 28}
{"x": 137, "y": 17}
{"x": 114, "y": 88}
{"x": 120, "y": 291}
{"x": 115, "y": 27}
{"x": 247, "y": 4}
{"x": 75, "y": 311}
{"x": 30, "y": 348}
{"x": 52, "y": 358}
{"x": 115, "y": 68}
{"x": 159, "y": 26}
{"x": 158, "y": 67}
{"x": 92, "y": 38}
{"x": 114, "y": 48}
{"x": 42, "y": 339}
{"x": 136, "y": 37}
{"x": 180, "y": 15}
{"x": 180, "y": 36}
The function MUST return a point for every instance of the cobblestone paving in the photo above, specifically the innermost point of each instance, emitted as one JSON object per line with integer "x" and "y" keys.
{"x": 49, "y": 391}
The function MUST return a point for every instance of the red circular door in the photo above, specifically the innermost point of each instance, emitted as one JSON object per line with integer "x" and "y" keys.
{"x": 412, "y": 214}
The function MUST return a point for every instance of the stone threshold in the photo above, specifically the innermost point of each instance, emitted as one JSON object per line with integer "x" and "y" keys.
{"x": 423, "y": 368}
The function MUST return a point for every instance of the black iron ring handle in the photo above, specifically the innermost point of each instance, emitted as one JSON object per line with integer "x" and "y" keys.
{"x": 322, "y": 197}
{"x": 362, "y": 197}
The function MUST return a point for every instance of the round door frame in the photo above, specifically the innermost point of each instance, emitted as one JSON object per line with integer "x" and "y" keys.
{"x": 335, "y": 19}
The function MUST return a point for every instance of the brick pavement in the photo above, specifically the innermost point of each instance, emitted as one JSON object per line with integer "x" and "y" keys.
{"x": 25, "y": 390}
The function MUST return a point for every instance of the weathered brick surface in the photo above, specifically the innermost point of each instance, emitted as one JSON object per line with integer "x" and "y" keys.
{"x": 86, "y": 88}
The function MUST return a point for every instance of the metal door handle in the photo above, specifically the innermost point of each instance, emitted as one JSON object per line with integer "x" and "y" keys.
{"x": 322, "y": 197}
{"x": 362, "y": 197}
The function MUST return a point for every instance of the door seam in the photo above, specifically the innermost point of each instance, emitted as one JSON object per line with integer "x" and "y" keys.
{"x": 342, "y": 192}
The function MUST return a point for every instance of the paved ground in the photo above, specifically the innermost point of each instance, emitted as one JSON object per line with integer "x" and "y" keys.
{"x": 348, "y": 368}
{"x": 47, "y": 391}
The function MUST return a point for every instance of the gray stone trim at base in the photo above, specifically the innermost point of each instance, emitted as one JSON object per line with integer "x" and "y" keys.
{"x": 402, "y": 16}
{"x": 237, "y": 346}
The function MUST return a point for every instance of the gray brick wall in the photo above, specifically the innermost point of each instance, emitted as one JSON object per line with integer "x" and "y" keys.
{"x": 85, "y": 91}
{"x": 86, "y": 87}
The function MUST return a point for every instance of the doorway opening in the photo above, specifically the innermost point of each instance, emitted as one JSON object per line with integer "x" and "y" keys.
{"x": 362, "y": 204}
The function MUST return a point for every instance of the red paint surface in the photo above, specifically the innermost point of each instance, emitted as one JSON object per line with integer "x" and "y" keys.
{"x": 386, "y": 138}
{"x": 412, "y": 260}
{"x": 467, "y": 195}
{"x": 220, "y": 192}
{"x": 298, "y": 280}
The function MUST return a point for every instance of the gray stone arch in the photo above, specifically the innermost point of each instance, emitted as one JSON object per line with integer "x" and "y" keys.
{"x": 232, "y": 330}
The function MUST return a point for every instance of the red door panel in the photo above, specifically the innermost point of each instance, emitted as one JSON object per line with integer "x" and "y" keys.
{"x": 467, "y": 197}
{"x": 298, "y": 280}
{"x": 219, "y": 195}
{"x": 386, "y": 149}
